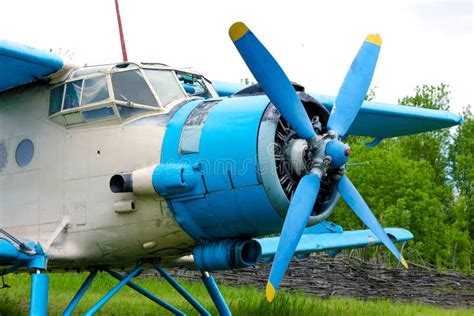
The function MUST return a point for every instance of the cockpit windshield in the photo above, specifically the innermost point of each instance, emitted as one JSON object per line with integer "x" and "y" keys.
{"x": 165, "y": 84}
{"x": 130, "y": 86}
{"x": 122, "y": 91}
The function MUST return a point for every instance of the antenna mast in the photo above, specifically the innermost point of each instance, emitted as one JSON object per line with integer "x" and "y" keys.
{"x": 122, "y": 39}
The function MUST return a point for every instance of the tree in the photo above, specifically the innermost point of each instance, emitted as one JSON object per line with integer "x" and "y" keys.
{"x": 409, "y": 182}
{"x": 462, "y": 168}
{"x": 431, "y": 146}
{"x": 399, "y": 191}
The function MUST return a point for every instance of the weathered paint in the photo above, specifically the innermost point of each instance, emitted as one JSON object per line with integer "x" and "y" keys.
{"x": 230, "y": 200}
{"x": 66, "y": 185}
{"x": 69, "y": 176}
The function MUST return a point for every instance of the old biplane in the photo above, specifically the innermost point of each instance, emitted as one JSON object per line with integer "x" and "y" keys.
{"x": 117, "y": 166}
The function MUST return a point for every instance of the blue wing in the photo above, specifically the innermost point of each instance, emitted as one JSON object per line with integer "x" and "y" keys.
{"x": 388, "y": 120}
{"x": 327, "y": 236}
{"x": 225, "y": 89}
{"x": 21, "y": 64}
{"x": 379, "y": 120}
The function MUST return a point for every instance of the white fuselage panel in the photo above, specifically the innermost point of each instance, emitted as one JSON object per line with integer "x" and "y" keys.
{"x": 68, "y": 180}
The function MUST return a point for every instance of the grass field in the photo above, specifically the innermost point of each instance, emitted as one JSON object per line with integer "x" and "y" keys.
{"x": 242, "y": 301}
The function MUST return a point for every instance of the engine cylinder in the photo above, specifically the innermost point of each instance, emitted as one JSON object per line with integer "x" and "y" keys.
{"x": 282, "y": 161}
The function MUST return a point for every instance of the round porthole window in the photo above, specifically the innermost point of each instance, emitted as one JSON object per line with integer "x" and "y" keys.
{"x": 24, "y": 152}
{"x": 3, "y": 156}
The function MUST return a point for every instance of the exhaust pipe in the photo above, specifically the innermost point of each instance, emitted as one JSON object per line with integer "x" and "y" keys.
{"x": 164, "y": 179}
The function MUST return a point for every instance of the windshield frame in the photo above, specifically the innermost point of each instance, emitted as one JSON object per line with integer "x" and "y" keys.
{"x": 108, "y": 71}
{"x": 148, "y": 83}
{"x": 173, "y": 72}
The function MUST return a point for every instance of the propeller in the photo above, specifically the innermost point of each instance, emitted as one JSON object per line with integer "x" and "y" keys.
{"x": 355, "y": 201}
{"x": 296, "y": 220}
{"x": 355, "y": 86}
{"x": 326, "y": 151}
{"x": 272, "y": 79}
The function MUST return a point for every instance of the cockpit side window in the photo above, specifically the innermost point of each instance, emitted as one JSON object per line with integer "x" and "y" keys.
{"x": 130, "y": 86}
{"x": 165, "y": 84}
{"x": 81, "y": 100}
{"x": 73, "y": 94}
{"x": 56, "y": 99}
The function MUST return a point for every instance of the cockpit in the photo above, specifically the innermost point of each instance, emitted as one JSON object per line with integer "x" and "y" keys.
{"x": 121, "y": 91}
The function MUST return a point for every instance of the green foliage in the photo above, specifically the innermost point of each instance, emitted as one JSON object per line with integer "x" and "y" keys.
{"x": 429, "y": 97}
{"x": 247, "y": 81}
{"x": 462, "y": 167}
{"x": 422, "y": 183}
{"x": 371, "y": 93}
{"x": 431, "y": 146}
{"x": 462, "y": 152}
{"x": 242, "y": 301}
{"x": 63, "y": 52}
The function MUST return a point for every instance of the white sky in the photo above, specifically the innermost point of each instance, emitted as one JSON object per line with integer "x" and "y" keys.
{"x": 314, "y": 41}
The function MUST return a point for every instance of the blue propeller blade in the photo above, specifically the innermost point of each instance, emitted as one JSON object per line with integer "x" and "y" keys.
{"x": 355, "y": 86}
{"x": 272, "y": 79}
{"x": 355, "y": 201}
{"x": 296, "y": 219}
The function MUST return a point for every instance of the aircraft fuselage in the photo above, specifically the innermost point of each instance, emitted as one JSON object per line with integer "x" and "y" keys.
{"x": 68, "y": 179}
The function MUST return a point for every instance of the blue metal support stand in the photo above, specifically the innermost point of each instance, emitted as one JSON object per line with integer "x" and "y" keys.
{"x": 208, "y": 280}
{"x": 182, "y": 291}
{"x": 215, "y": 294}
{"x": 84, "y": 287}
{"x": 114, "y": 291}
{"x": 147, "y": 294}
{"x": 39, "y": 294}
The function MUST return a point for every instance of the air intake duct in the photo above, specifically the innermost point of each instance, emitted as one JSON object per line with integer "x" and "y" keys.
{"x": 227, "y": 254}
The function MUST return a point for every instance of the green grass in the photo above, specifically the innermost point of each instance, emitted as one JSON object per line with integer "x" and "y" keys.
{"x": 242, "y": 301}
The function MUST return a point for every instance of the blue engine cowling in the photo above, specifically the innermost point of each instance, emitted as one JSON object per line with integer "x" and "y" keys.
{"x": 221, "y": 152}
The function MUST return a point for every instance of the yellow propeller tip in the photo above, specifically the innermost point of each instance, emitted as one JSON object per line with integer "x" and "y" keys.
{"x": 374, "y": 39}
{"x": 237, "y": 30}
{"x": 404, "y": 262}
{"x": 270, "y": 292}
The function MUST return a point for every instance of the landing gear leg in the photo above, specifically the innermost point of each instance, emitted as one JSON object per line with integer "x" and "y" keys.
{"x": 215, "y": 294}
{"x": 39, "y": 293}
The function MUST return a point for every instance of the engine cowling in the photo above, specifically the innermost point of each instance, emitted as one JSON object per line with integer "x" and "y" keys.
{"x": 231, "y": 149}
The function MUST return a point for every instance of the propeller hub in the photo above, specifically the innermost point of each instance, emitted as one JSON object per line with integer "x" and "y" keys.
{"x": 339, "y": 153}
